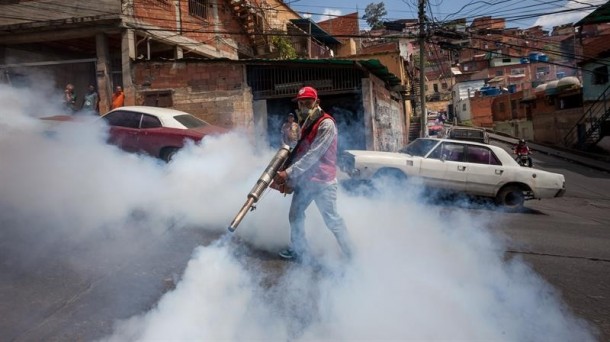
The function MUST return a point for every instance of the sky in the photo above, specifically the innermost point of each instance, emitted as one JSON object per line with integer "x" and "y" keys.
{"x": 519, "y": 13}
{"x": 420, "y": 271}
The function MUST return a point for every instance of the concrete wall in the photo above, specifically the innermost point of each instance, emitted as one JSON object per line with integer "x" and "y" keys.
{"x": 591, "y": 91}
{"x": 517, "y": 128}
{"x": 551, "y": 127}
{"x": 385, "y": 125}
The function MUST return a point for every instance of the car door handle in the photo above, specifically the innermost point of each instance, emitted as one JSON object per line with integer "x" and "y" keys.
{"x": 499, "y": 172}
{"x": 461, "y": 167}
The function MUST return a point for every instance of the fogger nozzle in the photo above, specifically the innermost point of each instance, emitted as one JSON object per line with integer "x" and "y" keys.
{"x": 263, "y": 182}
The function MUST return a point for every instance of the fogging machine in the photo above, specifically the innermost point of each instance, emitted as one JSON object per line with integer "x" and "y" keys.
{"x": 278, "y": 163}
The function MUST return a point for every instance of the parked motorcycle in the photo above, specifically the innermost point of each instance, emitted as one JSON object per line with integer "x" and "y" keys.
{"x": 524, "y": 159}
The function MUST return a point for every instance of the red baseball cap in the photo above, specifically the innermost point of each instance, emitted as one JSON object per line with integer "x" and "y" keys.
{"x": 306, "y": 93}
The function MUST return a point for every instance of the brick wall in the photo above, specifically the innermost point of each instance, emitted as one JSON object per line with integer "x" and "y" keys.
{"x": 480, "y": 111}
{"x": 215, "y": 92}
{"x": 164, "y": 14}
{"x": 508, "y": 107}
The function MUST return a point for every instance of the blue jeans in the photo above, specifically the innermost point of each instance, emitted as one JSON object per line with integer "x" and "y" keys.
{"x": 325, "y": 196}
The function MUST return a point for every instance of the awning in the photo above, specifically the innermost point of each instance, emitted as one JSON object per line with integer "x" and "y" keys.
{"x": 456, "y": 71}
{"x": 496, "y": 79}
{"x": 516, "y": 76}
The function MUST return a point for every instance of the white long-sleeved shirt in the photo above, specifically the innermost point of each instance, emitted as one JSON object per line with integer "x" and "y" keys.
{"x": 327, "y": 131}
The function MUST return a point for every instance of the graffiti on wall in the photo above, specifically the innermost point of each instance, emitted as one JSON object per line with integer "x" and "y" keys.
{"x": 388, "y": 126}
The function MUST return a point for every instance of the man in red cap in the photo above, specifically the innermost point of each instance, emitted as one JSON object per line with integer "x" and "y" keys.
{"x": 312, "y": 175}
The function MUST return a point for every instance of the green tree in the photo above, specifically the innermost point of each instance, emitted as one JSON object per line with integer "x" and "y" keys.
{"x": 284, "y": 47}
{"x": 374, "y": 13}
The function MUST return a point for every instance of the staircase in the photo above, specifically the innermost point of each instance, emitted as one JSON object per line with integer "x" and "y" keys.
{"x": 588, "y": 129}
{"x": 414, "y": 130}
{"x": 415, "y": 93}
{"x": 252, "y": 24}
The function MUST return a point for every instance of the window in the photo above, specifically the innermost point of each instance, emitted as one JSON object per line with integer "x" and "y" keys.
{"x": 600, "y": 75}
{"x": 198, "y": 8}
{"x": 464, "y": 107}
{"x": 453, "y": 152}
{"x": 149, "y": 121}
{"x": 444, "y": 85}
{"x": 517, "y": 71}
{"x": 435, "y": 86}
{"x": 448, "y": 151}
{"x": 190, "y": 121}
{"x": 123, "y": 119}
{"x": 506, "y": 60}
{"x": 481, "y": 155}
{"x": 499, "y": 72}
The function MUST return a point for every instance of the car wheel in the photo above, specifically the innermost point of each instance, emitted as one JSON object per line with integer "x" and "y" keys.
{"x": 390, "y": 178}
{"x": 510, "y": 197}
{"x": 168, "y": 153}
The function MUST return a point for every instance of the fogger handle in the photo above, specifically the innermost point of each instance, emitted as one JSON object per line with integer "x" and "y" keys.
{"x": 262, "y": 184}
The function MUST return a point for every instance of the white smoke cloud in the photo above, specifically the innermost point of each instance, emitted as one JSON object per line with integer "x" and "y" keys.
{"x": 551, "y": 20}
{"x": 419, "y": 272}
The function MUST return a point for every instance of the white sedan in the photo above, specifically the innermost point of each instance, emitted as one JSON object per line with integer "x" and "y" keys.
{"x": 457, "y": 166}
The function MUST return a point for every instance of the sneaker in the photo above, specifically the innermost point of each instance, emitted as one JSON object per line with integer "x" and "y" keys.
{"x": 288, "y": 254}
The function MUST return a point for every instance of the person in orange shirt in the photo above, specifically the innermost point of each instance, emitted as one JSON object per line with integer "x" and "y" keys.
{"x": 118, "y": 98}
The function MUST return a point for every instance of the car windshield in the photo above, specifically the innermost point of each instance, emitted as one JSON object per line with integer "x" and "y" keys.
{"x": 419, "y": 147}
{"x": 190, "y": 121}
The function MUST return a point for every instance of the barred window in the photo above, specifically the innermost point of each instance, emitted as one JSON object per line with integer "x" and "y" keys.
{"x": 198, "y": 8}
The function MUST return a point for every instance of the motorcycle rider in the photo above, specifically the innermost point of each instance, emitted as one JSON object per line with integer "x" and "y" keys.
{"x": 523, "y": 150}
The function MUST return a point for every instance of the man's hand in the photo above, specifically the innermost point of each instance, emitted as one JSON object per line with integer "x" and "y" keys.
{"x": 281, "y": 177}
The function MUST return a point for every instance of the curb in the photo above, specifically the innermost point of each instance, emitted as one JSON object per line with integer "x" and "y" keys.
{"x": 567, "y": 155}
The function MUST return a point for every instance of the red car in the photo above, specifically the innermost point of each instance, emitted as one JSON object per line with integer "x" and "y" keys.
{"x": 159, "y": 132}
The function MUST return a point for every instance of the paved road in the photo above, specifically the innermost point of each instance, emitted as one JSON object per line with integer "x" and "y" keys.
{"x": 566, "y": 240}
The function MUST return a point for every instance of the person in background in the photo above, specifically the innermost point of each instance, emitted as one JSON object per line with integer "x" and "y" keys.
{"x": 291, "y": 132}
{"x": 70, "y": 98}
{"x": 442, "y": 118}
{"x": 91, "y": 100}
{"x": 523, "y": 150}
{"x": 312, "y": 175}
{"x": 118, "y": 98}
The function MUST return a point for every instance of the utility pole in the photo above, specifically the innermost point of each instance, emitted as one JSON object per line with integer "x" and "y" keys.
{"x": 422, "y": 69}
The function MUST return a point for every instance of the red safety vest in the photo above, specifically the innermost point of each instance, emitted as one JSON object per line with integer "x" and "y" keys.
{"x": 325, "y": 170}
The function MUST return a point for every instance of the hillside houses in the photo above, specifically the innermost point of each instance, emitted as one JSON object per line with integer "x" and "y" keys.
{"x": 236, "y": 63}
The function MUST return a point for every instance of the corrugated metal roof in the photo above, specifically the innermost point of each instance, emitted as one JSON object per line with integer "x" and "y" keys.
{"x": 600, "y": 15}
{"x": 316, "y": 31}
{"x": 374, "y": 66}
